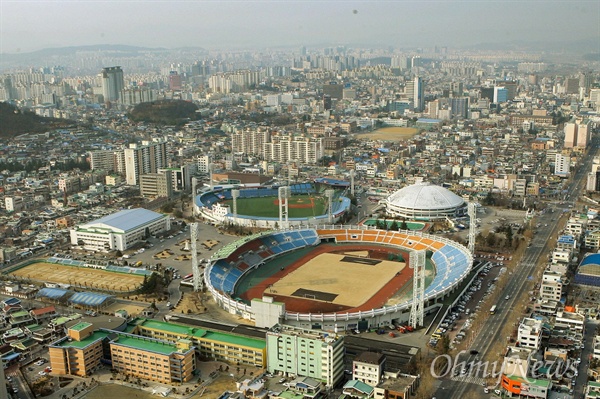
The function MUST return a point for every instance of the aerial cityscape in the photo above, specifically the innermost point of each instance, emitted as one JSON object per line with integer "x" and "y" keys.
{"x": 300, "y": 200}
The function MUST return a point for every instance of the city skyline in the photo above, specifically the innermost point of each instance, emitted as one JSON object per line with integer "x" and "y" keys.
{"x": 28, "y": 26}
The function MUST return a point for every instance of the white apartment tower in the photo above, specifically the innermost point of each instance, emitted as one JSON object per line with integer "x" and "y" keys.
{"x": 415, "y": 90}
{"x": 561, "y": 165}
{"x": 203, "y": 164}
{"x": 142, "y": 159}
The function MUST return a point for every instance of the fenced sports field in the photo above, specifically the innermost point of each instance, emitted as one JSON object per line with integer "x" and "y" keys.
{"x": 79, "y": 276}
{"x": 329, "y": 278}
{"x": 347, "y": 280}
{"x": 299, "y": 206}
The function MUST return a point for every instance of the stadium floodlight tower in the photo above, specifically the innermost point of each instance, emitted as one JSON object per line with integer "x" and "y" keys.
{"x": 210, "y": 176}
{"x": 329, "y": 193}
{"x": 235, "y": 194}
{"x": 472, "y": 226}
{"x": 417, "y": 262}
{"x": 284, "y": 195}
{"x": 197, "y": 275}
{"x": 194, "y": 192}
{"x": 352, "y": 182}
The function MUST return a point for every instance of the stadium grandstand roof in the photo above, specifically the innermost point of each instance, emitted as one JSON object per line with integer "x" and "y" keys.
{"x": 592, "y": 259}
{"x": 127, "y": 219}
{"x": 332, "y": 182}
{"x": 89, "y": 298}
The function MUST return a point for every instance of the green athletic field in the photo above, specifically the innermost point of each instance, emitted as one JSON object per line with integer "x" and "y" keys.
{"x": 267, "y": 206}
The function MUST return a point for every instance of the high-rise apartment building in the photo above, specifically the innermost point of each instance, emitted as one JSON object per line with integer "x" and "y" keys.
{"x": 286, "y": 148}
{"x": 112, "y": 83}
{"x": 414, "y": 90}
{"x": 103, "y": 160}
{"x": 155, "y": 185}
{"x": 250, "y": 141}
{"x": 459, "y": 107}
{"x": 572, "y": 85}
{"x": 203, "y": 164}
{"x": 561, "y": 165}
{"x": 307, "y": 353}
{"x": 143, "y": 159}
{"x": 577, "y": 134}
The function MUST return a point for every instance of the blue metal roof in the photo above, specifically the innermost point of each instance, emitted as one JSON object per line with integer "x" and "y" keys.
{"x": 11, "y": 301}
{"x": 52, "y": 293}
{"x": 89, "y": 298}
{"x": 128, "y": 219}
{"x": 10, "y": 356}
{"x": 566, "y": 239}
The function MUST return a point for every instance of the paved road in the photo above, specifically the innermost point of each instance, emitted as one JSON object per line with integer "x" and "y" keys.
{"x": 489, "y": 332}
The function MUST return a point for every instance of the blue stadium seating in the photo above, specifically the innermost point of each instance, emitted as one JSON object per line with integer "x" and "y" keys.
{"x": 446, "y": 261}
{"x": 586, "y": 279}
{"x": 224, "y": 275}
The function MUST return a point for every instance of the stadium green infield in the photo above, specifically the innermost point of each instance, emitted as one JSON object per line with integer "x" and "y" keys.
{"x": 300, "y": 206}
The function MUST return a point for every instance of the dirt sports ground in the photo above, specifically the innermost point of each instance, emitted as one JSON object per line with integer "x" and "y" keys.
{"x": 336, "y": 279}
{"x": 82, "y": 276}
{"x": 391, "y": 133}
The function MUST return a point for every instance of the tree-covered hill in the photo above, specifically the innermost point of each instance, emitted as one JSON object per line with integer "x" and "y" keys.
{"x": 165, "y": 112}
{"x": 14, "y": 121}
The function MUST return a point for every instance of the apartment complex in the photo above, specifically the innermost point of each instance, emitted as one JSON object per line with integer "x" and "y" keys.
{"x": 284, "y": 148}
{"x": 103, "y": 160}
{"x": 142, "y": 159}
{"x": 250, "y": 141}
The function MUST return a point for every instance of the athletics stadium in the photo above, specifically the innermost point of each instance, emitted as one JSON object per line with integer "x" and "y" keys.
{"x": 332, "y": 277}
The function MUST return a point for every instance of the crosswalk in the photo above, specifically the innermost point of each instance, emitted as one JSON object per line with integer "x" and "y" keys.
{"x": 470, "y": 379}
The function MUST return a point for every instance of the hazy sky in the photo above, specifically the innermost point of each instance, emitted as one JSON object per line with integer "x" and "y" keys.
{"x": 31, "y": 25}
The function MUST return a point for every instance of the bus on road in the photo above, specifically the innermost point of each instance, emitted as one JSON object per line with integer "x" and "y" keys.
{"x": 493, "y": 310}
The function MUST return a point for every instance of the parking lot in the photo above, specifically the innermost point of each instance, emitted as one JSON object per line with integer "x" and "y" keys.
{"x": 172, "y": 250}
{"x": 458, "y": 324}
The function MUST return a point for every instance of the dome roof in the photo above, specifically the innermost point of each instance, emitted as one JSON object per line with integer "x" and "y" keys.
{"x": 425, "y": 196}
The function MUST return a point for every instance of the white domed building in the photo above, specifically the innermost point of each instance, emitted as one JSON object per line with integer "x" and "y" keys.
{"x": 425, "y": 201}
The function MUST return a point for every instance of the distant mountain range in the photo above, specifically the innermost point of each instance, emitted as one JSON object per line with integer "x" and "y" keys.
{"x": 115, "y": 49}
{"x": 585, "y": 48}
{"x": 582, "y": 46}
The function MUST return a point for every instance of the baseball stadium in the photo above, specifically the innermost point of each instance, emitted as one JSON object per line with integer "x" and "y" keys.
{"x": 332, "y": 277}
{"x": 261, "y": 207}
